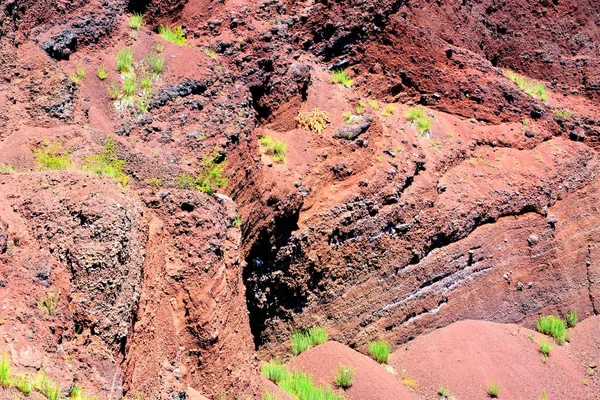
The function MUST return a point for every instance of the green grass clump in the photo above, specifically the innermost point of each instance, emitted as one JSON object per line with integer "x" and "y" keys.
{"x": 572, "y": 319}
{"x": 275, "y": 148}
{"x": 545, "y": 348}
{"x": 48, "y": 303}
{"x": 173, "y": 35}
{"x": 155, "y": 62}
{"x": 301, "y": 386}
{"x": 531, "y": 87}
{"x": 102, "y": 72}
{"x": 77, "y": 393}
{"x": 6, "y": 169}
{"x": 52, "y": 156}
{"x": 136, "y": 21}
{"x": 114, "y": 91}
{"x": 5, "y": 374}
{"x": 23, "y": 384}
{"x": 552, "y": 326}
{"x": 46, "y": 386}
{"x": 269, "y": 396}
{"x": 443, "y": 392}
{"x": 275, "y": 371}
{"x": 340, "y": 76}
{"x": 493, "y": 389}
{"x": 107, "y": 163}
{"x": 418, "y": 116}
{"x": 302, "y": 341}
{"x": 344, "y": 376}
{"x": 210, "y": 178}
{"x": 79, "y": 74}
{"x": 388, "y": 110}
{"x": 565, "y": 114}
{"x": 129, "y": 86}
{"x": 124, "y": 61}
{"x": 380, "y": 351}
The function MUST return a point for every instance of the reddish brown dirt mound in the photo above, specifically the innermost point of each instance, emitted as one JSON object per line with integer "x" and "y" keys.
{"x": 466, "y": 355}
{"x": 371, "y": 382}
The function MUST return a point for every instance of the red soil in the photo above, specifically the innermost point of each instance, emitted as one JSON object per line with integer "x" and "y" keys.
{"x": 466, "y": 355}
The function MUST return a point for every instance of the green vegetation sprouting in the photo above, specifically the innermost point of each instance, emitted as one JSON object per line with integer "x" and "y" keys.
{"x": 136, "y": 21}
{"x": 344, "y": 376}
{"x": 124, "y": 60}
{"x": 274, "y": 148}
{"x": 297, "y": 383}
{"x": 107, "y": 163}
{"x": 531, "y": 87}
{"x": 552, "y": 326}
{"x": 380, "y": 351}
{"x": 419, "y": 117}
{"x": 52, "y": 156}
{"x": 172, "y": 34}
{"x": 302, "y": 341}
{"x": 210, "y": 178}
{"x": 340, "y": 76}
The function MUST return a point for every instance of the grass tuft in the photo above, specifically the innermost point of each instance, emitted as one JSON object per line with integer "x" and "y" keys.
{"x": 419, "y": 117}
{"x": 344, "y": 376}
{"x": 79, "y": 74}
{"x": 572, "y": 319}
{"x": 443, "y": 392}
{"x": 274, "y": 148}
{"x": 275, "y": 370}
{"x": 388, "y": 110}
{"x": 531, "y": 87}
{"x": 545, "y": 349}
{"x": 173, "y": 35}
{"x": 340, "y": 76}
{"x": 493, "y": 389}
{"x": 23, "y": 384}
{"x": 300, "y": 385}
{"x": 302, "y": 341}
{"x": 52, "y": 156}
{"x": 552, "y": 326}
{"x": 5, "y": 373}
{"x": 209, "y": 179}
{"x": 102, "y": 72}
{"x": 156, "y": 63}
{"x": 6, "y": 169}
{"x": 129, "y": 86}
{"x": 565, "y": 114}
{"x": 48, "y": 303}
{"x": 410, "y": 383}
{"x": 124, "y": 60}
{"x": 380, "y": 351}
{"x": 107, "y": 163}
{"x": 136, "y": 21}
{"x": 314, "y": 121}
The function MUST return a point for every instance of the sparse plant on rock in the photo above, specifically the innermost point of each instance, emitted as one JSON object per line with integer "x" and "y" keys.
{"x": 572, "y": 319}
{"x": 173, "y": 35}
{"x": 493, "y": 389}
{"x": 564, "y": 113}
{"x": 52, "y": 156}
{"x": 107, "y": 163}
{"x": 419, "y": 117}
{"x": 274, "y": 148}
{"x": 48, "y": 303}
{"x": 102, "y": 72}
{"x": 136, "y": 21}
{"x": 314, "y": 120}
{"x": 344, "y": 376}
{"x": 340, "y": 76}
{"x": 531, "y": 87}
{"x": 380, "y": 351}
{"x": 209, "y": 179}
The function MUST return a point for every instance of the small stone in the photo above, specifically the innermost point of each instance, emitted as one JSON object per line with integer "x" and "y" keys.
{"x": 533, "y": 239}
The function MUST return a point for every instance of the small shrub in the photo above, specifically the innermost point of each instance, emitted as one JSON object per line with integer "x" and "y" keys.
{"x": 156, "y": 63}
{"x": 493, "y": 389}
{"x": 572, "y": 319}
{"x": 552, "y": 326}
{"x": 48, "y": 303}
{"x": 443, "y": 392}
{"x": 136, "y": 21}
{"x": 275, "y": 371}
{"x": 418, "y": 116}
{"x": 531, "y": 87}
{"x": 340, "y": 76}
{"x": 107, "y": 163}
{"x": 52, "y": 156}
{"x": 173, "y": 35}
{"x": 208, "y": 180}
{"x": 114, "y": 91}
{"x": 388, "y": 110}
{"x": 124, "y": 61}
{"x": 565, "y": 114}
{"x": 79, "y": 74}
{"x": 344, "y": 376}
{"x": 545, "y": 348}
{"x": 410, "y": 382}
{"x": 274, "y": 148}
{"x": 102, "y": 72}
{"x": 302, "y": 341}
{"x": 23, "y": 384}
{"x": 314, "y": 121}
{"x": 5, "y": 374}
{"x": 380, "y": 351}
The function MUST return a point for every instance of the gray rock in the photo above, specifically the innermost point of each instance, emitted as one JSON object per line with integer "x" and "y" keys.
{"x": 352, "y": 131}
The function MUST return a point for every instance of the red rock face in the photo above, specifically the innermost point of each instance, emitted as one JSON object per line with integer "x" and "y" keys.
{"x": 370, "y": 227}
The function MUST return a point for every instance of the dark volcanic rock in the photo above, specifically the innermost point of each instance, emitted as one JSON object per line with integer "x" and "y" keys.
{"x": 355, "y": 129}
